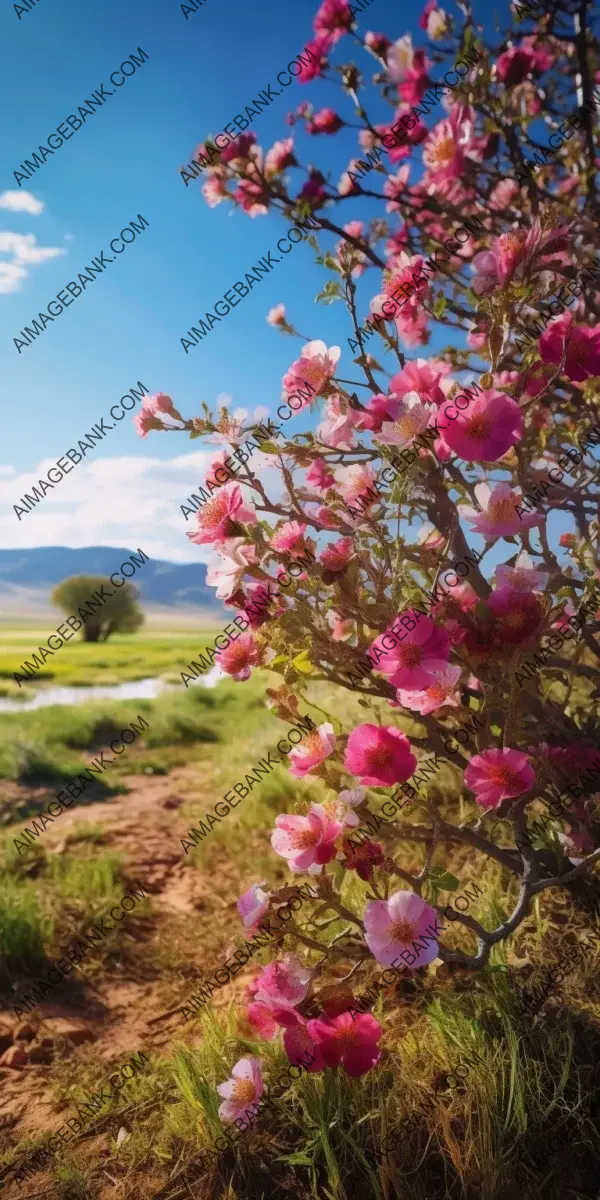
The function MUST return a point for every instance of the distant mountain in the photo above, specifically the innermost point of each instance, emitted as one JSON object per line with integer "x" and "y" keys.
{"x": 27, "y": 578}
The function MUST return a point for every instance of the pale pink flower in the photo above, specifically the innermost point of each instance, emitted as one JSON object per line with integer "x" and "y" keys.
{"x": 394, "y": 926}
{"x": 484, "y": 433}
{"x": 499, "y": 514}
{"x": 426, "y": 377}
{"x": 307, "y": 842}
{"x": 348, "y": 800}
{"x": 312, "y": 751}
{"x": 221, "y": 517}
{"x": 280, "y": 156}
{"x": 416, "y": 661}
{"x": 404, "y": 288}
{"x": 283, "y": 984}
{"x": 438, "y": 24}
{"x": 316, "y": 366}
{"x": 215, "y": 191}
{"x": 238, "y": 658}
{"x": 337, "y": 430}
{"x": 341, "y": 629}
{"x": 252, "y": 197}
{"x": 522, "y": 577}
{"x": 289, "y": 538}
{"x": 412, "y": 418}
{"x": 498, "y": 775}
{"x": 394, "y": 188}
{"x": 379, "y": 755}
{"x": 147, "y": 417}
{"x": 276, "y": 316}
{"x": 241, "y": 1090}
{"x": 400, "y": 57}
{"x": 236, "y": 555}
{"x": 502, "y": 195}
{"x": 253, "y": 905}
{"x": 444, "y": 153}
{"x": 441, "y": 692}
{"x": 355, "y": 481}
{"x": 337, "y": 555}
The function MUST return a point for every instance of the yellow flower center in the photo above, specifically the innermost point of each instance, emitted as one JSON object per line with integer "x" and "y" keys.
{"x": 304, "y": 839}
{"x": 244, "y": 1091}
{"x": 445, "y": 150}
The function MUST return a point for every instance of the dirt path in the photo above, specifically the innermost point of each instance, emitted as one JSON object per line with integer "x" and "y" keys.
{"x": 191, "y": 922}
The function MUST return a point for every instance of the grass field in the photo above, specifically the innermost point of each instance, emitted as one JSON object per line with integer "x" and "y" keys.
{"x": 522, "y": 1125}
{"x": 151, "y": 652}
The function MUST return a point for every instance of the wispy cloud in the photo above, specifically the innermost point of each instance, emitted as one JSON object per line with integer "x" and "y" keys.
{"x": 21, "y": 202}
{"x": 22, "y": 248}
{"x": 109, "y": 502}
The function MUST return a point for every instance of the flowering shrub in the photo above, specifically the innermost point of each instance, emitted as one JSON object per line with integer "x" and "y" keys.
{"x": 363, "y": 599}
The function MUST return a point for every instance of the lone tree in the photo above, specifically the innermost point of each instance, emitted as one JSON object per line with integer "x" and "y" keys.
{"x": 102, "y": 608}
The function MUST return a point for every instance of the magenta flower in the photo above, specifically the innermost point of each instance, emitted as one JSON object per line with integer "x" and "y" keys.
{"x": 393, "y": 927}
{"x": 348, "y": 1041}
{"x": 426, "y": 377}
{"x": 522, "y": 577}
{"x": 239, "y": 657}
{"x": 320, "y": 476}
{"x": 517, "y": 615}
{"x": 312, "y": 751}
{"x": 280, "y": 156}
{"x": 337, "y": 555}
{"x": 442, "y": 691}
{"x": 583, "y": 346}
{"x": 487, "y": 430}
{"x": 241, "y": 1090}
{"x": 326, "y": 120}
{"x": 497, "y": 775}
{"x": 222, "y": 517}
{"x": 333, "y": 19}
{"x": 307, "y": 842}
{"x": 418, "y": 657}
{"x": 297, "y": 1041}
{"x": 379, "y": 755}
{"x": 253, "y": 905}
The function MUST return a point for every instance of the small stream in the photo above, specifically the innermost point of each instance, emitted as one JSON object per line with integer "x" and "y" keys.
{"x": 135, "y": 689}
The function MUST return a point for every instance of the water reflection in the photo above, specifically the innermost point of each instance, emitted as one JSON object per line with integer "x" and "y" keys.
{"x": 136, "y": 689}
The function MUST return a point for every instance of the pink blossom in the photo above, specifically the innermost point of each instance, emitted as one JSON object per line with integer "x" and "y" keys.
{"x": 416, "y": 81}
{"x": 239, "y": 148}
{"x": 253, "y": 905}
{"x": 354, "y": 481}
{"x": 416, "y": 661}
{"x": 147, "y": 417}
{"x": 393, "y": 927}
{"x": 238, "y": 658}
{"x": 307, "y": 842}
{"x": 395, "y": 187}
{"x": 442, "y": 692}
{"x": 297, "y": 1041}
{"x": 326, "y": 120}
{"x": 252, "y": 197}
{"x": 522, "y": 577}
{"x": 320, "y": 476}
{"x": 341, "y": 629}
{"x": 280, "y": 156}
{"x": 236, "y": 555}
{"x": 276, "y": 316}
{"x": 405, "y": 280}
{"x": 333, "y": 19}
{"x": 583, "y": 347}
{"x": 379, "y": 755}
{"x": 489, "y": 428}
{"x": 438, "y": 24}
{"x": 444, "y": 152}
{"x": 318, "y": 59}
{"x": 337, "y": 555}
{"x": 428, "y": 378}
{"x": 283, "y": 984}
{"x": 378, "y": 43}
{"x": 348, "y": 1041}
{"x": 502, "y": 195}
{"x": 241, "y": 1090}
{"x": 316, "y": 365}
{"x": 289, "y": 538}
{"x": 411, "y": 419}
{"x": 517, "y": 616}
{"x": 377, "y": 410}
{"x": 312, "y": 751}
{"x": 222, "y": 517}
{"x": 400, "y": 57}
{"x": 515, "y": 64}
{"x": 314, "y": 190}
{"x": 498, "y": 775}
{"x": 262, "y": 1021}
{"x": 215, "y": 190}
{"x": 337, "y": 430}
{"x": 499, "y": 514}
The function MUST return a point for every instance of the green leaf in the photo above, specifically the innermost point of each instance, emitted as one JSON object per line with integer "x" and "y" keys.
{"x": 303, "y": 664}
{"x": 312, "y": 241}
{"x": 439, "y": 306}
{"x": 444, "y": 879}
{"x": 269, "y": 448}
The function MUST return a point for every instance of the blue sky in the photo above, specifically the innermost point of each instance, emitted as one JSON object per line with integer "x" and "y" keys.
{"x": 126, "y": 327}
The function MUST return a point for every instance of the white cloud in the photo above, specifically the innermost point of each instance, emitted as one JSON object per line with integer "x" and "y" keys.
{"x": 11, "y": 276}
{"x": 124, "y": 501}
{"x": 21, "y": 202}
{"x": 24, "y": 248}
